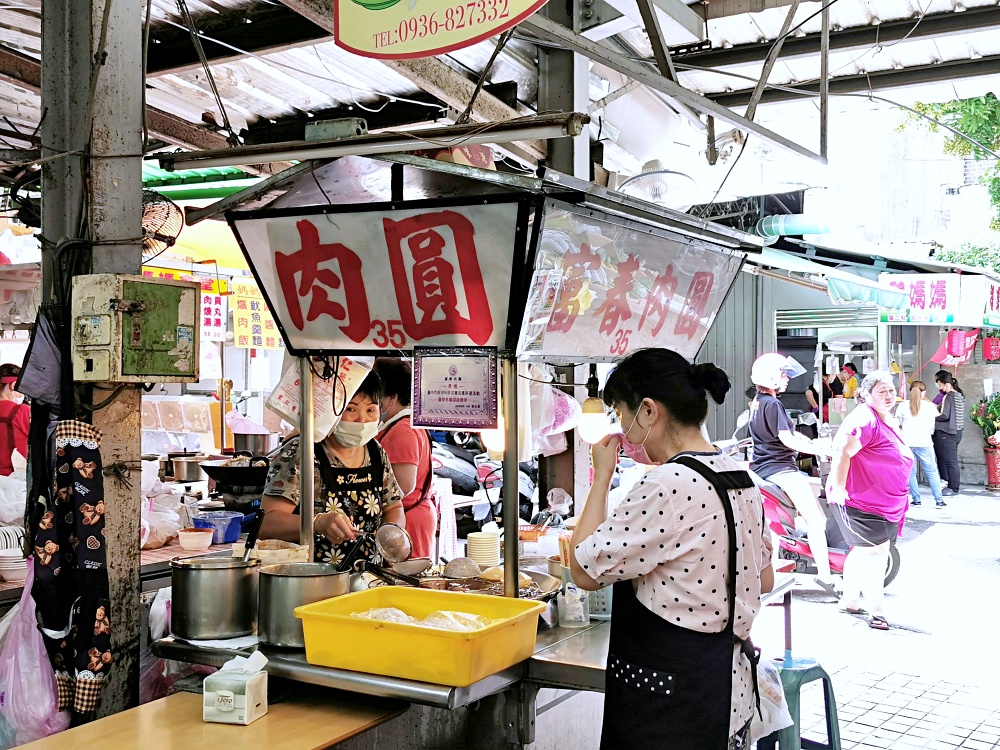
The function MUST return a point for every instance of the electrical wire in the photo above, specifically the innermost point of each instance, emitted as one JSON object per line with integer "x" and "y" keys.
{"x": 310, "y": 74}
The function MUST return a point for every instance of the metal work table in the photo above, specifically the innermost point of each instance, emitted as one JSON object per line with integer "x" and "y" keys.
{"x": 565, "y": 658}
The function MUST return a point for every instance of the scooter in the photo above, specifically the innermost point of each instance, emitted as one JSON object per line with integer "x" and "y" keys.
{"x": 779, "y": 510}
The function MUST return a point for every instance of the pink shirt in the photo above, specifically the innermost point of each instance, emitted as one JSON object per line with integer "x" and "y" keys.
{"x": 879, "y": 476}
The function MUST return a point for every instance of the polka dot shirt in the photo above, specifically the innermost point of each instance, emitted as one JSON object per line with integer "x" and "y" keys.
{"x": 669, "y": 537}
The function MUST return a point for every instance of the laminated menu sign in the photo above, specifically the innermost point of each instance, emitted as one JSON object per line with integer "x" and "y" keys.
{"x": 455, "y": 388}
{"x": 601, "y": 289}
{"x": 340, "y": 279}
{"x": 254, "y": 326}
{"x": 214, "y": 316}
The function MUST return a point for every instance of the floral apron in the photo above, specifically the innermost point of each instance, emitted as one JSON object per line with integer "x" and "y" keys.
{"x": 356, "y": 492}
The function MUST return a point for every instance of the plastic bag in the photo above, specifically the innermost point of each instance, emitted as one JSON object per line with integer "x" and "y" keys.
{"x": 286, "y": 399}
{"x": 29, "y": 698}
{"x": 13, "y": 495}
{"x": 773, "y": 707}
{"x": 163, "y": 525}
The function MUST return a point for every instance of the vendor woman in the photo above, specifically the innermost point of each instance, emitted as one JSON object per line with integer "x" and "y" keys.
{"x": 356, "y": 491}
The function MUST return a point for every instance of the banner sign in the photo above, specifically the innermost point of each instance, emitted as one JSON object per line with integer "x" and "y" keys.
{"x": 349, "y": 280}
{"x": 209, "y": 284}
{"x": 601, "y": 290}
{"x": 934, "y": 297}
{"x": 253, "y": 325}
{"x": 403, "y": 29}
{"x": 991, "y": 313}
{"x": 455, "y": 388}
{"x": 949, "y": 356}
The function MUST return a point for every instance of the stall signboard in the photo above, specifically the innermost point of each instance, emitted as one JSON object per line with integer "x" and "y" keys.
{"x": 253, "y": 325}
{"x": 403, "y": 29}
{"x": 991, "y": 311}
{"x": 602, "y": 289}
{"x": 245, "y": 287}
{"x": 214, "y": 283}
{"x": 935, "y": 298}
{"x": 965, "y": 300}
{"x": 455, "y": 388}
{"x": 214, "y": 316}
{"x": 366, "y": 280}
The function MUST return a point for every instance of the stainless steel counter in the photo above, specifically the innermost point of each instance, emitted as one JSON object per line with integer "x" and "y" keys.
{"x": 569, "y": 658}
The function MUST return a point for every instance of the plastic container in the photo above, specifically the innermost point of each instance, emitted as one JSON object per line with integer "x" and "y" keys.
{"x": 442, "y": 657}
{"x": 195, "y": 539}
{"x": 600, "y": 604}
{"x": 226, "y": 523}
{"x": 574, "y": 608}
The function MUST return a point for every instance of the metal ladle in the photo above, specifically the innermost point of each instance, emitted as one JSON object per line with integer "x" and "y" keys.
{"x": 391, "y": 541}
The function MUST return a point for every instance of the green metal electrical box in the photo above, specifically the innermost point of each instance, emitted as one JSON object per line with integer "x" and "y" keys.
{"x": 132, "y": 329}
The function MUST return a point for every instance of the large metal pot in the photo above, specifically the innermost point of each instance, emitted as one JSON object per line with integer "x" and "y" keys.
{"x": 186, "y": 467}
{"x": 258, "y": 445}
{"x": 213, "y": 597}
{"x": 285, "y": 587}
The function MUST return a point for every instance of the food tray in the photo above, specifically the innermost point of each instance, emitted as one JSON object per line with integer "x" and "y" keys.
{"x": 442, "y": 657}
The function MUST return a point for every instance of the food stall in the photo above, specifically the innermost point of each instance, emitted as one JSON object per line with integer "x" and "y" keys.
{"x": 458, "y": 265}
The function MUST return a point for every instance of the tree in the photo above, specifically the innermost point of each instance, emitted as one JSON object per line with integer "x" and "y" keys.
{"x": 969, "y": 254}
{"x": 979, "y": 120}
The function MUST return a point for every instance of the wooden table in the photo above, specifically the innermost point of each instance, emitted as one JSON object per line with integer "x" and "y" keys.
{"x": 318, "y": 720}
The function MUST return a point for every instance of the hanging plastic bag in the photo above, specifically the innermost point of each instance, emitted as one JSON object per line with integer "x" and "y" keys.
{"x": 163, "y": 524}
{"x": 773, "y": 707}
{"x": 286, "y": 399}
{"x": 29, "y": 698}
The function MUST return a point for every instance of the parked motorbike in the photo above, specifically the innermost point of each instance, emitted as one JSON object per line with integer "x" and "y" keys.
{"x": 779, "y": 510}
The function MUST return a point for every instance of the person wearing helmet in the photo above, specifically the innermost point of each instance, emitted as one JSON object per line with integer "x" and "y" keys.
{"x": 775, "y": 445}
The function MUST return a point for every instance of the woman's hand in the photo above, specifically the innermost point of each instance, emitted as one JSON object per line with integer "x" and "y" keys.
{"x": 836, "y": 495}
{"x": 336, "y": 527}
{"x": 604, "y": 455}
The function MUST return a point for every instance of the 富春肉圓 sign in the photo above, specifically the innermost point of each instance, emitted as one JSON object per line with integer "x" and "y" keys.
{"x": 404, "y": 29}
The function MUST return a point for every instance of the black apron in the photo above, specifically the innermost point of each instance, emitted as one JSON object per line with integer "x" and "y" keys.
{"x": 667, "y": 686}
{"x": 358, "y": 493}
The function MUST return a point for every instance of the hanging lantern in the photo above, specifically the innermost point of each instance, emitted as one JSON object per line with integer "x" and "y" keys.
{"x": 956, "y": 343}
{"x": 991, "y": 349}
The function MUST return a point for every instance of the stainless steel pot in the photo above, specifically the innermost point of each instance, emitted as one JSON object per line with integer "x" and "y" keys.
{"x": 285, "y": 587}
{"x": 258, "y": 445}
{"x": 187, "y": 469}
{"x": 213, "y": 597}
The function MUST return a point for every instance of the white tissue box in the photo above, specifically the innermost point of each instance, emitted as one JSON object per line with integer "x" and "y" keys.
{"x": 234, "y": 697}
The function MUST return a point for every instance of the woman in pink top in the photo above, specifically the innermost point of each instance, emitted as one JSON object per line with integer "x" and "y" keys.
{"x": 868, "y": 492}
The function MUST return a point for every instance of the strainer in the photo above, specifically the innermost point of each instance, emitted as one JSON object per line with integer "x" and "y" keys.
{"x": 391, "y": 541}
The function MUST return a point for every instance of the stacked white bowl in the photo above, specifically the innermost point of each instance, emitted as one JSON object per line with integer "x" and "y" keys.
{"x": 13, "y": 566}
{"x": 484, "y": 548}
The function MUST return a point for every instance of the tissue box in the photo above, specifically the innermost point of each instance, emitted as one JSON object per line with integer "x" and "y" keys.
{"x": 234, "y": 697}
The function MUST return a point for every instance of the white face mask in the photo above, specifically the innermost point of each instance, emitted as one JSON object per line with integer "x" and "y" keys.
{"x": 355, "y": 434}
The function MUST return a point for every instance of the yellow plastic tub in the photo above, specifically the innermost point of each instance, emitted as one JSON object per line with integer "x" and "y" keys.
{"x": 336, "y": 639}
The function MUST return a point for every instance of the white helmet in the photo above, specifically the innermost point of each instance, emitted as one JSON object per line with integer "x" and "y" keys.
{"x": 768, "y": 369}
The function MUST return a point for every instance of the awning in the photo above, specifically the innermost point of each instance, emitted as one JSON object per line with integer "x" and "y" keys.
{"x": 844, "y": 288}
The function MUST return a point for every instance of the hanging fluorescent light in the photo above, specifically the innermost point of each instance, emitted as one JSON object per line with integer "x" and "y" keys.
{"x": 372, "y": 144}
{"x": 594, "y": 424}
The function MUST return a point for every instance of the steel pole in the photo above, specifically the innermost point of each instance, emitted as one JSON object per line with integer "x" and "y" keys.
{"x": 307, "y": 466}
{"x": 824, "y": 83}
{"x": 511, "y": 497}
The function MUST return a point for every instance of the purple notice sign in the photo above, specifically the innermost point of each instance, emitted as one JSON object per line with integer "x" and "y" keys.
{"x": 455, "y": 388}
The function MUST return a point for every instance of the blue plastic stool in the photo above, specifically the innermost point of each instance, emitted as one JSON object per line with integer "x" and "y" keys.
{"x": 795, "y": 672}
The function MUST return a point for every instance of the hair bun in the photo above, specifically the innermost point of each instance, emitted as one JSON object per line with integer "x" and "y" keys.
{"x": 712, "y": 379}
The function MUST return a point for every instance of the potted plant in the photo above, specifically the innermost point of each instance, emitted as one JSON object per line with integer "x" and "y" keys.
{"x": 991, "y": 344}
{"x": 986, "y": 416}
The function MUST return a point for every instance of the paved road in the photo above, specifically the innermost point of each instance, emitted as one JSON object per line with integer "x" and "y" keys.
{"x": 932, "y": 681}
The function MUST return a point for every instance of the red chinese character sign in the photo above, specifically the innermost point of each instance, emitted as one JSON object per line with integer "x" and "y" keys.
{"x": 601, "y": 290}
{"x": 343, "y": 279}
{"x": 214, "y": 316}
{"x": 254, "y": 326}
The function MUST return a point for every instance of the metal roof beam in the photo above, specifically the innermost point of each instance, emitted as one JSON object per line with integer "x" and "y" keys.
{"x": 429, "y": 74}
{"x": 876, "y": 80}
{"x": 23, "y": 72}
{"x": 260, "y": 29}
{"x": 857, "y": 39}
{"x": 554, "y": 33}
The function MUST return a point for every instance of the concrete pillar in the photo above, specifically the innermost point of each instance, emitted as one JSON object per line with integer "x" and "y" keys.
{"x": 90, "y": 49}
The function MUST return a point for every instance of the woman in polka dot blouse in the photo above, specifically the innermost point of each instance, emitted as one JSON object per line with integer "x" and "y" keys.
{"x": 688, "y": 556}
